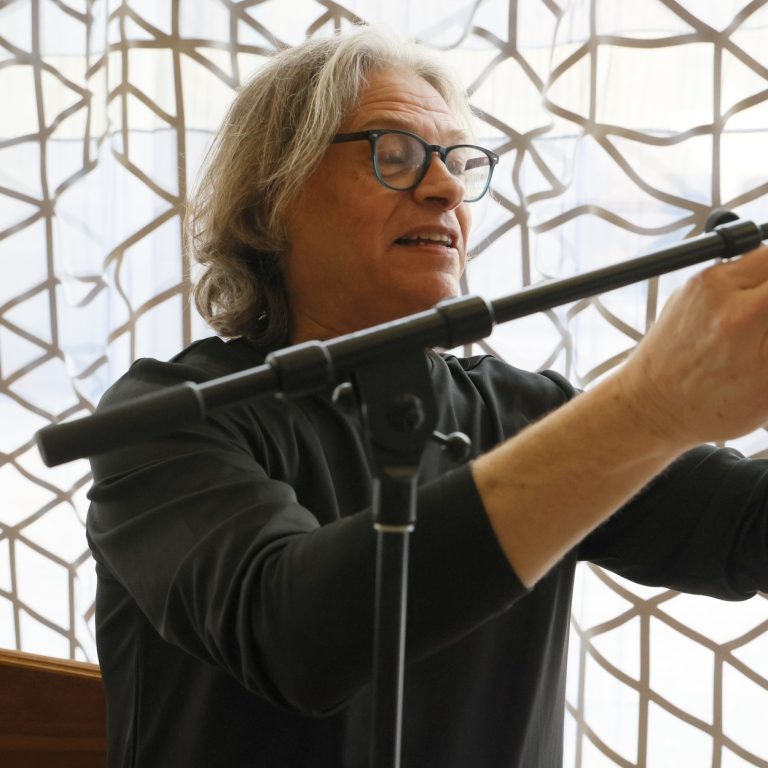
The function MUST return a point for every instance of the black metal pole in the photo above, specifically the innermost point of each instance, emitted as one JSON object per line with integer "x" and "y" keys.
{"x": 316, "y": 365}
{"x": 727, "y": 241}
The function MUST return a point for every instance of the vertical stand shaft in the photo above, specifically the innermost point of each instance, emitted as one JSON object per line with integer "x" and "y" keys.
{"x": 389, "y": 646}
{"x": 399, "y": 415}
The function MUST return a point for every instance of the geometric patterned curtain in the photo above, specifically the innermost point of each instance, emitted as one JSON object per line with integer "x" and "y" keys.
{"x": 620, "y": 125}
{"x": 663, "y": 109}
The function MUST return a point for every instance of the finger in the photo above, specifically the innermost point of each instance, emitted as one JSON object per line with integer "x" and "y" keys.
{"x": 758, "y": 295}
{"x": 750, "y": 270}
{"x": 749, "y": 314}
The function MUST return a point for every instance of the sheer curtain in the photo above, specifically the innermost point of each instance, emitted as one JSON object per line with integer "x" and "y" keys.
{"x": 620, "y": 126}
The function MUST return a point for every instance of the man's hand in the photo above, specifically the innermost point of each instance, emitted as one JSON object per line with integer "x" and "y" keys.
{"x": 701, "y": 374}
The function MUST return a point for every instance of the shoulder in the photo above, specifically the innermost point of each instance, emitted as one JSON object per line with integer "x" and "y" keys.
{"x": 501, "y": 382}
{"x": 201, "y": 361}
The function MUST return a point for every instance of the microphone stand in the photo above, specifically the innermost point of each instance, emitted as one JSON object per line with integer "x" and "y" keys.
{"x": 390, "y": 378}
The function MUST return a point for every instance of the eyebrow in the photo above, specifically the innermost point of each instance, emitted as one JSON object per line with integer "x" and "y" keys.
{"x": 386, "y": 120}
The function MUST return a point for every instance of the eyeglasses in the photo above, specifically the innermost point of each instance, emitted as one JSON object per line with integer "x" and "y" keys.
{"x": 401, "y": 160}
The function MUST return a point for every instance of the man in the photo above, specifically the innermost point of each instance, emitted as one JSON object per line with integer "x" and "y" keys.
{"x": 235, "y": 559}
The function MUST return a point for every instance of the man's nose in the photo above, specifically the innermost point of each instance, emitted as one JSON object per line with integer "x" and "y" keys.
{"x": 440, "y": 184}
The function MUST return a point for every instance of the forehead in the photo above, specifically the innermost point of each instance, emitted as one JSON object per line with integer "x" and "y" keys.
{"x": 397, "y": 98}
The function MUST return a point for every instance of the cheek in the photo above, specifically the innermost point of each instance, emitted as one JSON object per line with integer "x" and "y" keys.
{"x": 349, "y": 215}
{"x": 365, "y": 227}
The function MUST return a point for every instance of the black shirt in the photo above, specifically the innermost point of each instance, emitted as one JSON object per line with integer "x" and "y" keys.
{"x": 235, "y": 565}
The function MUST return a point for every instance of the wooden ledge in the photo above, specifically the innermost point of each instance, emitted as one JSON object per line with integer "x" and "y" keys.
{"x": 49, "y": 664}
{"x": 52, "y": 712}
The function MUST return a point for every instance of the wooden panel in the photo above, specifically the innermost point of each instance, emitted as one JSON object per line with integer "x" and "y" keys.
{"x": 52, "y": 713}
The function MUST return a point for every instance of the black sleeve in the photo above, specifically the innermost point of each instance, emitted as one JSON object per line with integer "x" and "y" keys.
{"x": 228, "y": 566}
{"x": 701, "y": 527}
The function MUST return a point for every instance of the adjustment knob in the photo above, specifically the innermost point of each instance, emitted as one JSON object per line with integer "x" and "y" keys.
{"x": 719, "y": 216}
{"x": 456, "y": 445}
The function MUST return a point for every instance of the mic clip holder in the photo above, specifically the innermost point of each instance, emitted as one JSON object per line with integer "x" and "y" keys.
{"x": 455, "y": 445}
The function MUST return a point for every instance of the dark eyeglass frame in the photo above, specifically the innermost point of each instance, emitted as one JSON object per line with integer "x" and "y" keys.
{"x": 373, "y": 136}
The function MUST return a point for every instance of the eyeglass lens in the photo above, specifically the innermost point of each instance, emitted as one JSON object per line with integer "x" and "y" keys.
{"x": 400, "y": 161}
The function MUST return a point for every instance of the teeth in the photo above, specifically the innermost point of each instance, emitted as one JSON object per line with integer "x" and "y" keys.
{"x": 434, "y": 236}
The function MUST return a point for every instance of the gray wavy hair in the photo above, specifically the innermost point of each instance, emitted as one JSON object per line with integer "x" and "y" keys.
{"x": 270, "y": 142}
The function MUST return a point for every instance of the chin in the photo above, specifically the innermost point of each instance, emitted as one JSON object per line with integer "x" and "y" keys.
{"x": 418, "y": 296}
{"x": 425, "y": 302}
{"x": 447, "y": 289}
